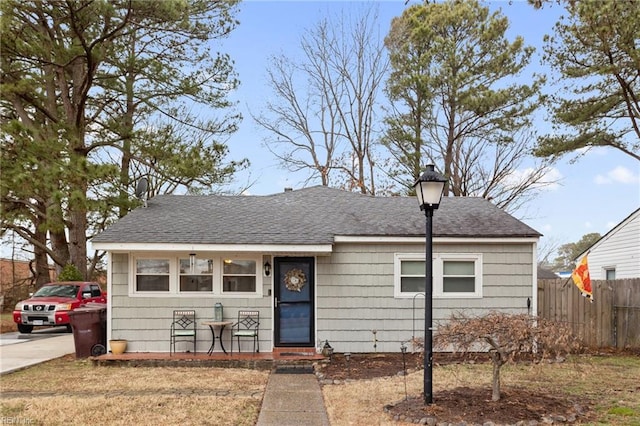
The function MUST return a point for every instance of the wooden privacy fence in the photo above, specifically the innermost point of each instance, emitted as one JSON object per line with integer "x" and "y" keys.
{"x": 612, "y": 320}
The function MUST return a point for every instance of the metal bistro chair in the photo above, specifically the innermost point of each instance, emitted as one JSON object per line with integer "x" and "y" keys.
{"x": 183, "y": 327}
{"x": 247, "y": 326}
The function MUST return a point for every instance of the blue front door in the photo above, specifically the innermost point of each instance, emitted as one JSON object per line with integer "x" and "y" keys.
{"x": 294, "y": 296}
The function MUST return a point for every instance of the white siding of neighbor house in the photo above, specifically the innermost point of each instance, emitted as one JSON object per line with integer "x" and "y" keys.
{"x": 619, "y": 249}
{"x": 354, "y": 295}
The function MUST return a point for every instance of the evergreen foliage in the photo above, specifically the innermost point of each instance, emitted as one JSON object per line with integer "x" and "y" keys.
{"x": 70, "y": 273}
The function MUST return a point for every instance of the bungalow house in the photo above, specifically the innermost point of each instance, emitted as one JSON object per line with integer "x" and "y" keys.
{"x": 616, "y": 255}
{"x": 317, "y": 263}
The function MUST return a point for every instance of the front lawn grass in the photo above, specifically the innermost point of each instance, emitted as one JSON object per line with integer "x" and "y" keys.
{"x": 70, "y": 391}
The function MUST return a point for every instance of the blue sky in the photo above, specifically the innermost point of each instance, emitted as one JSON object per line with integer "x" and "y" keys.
{"x": 595, "y": 192}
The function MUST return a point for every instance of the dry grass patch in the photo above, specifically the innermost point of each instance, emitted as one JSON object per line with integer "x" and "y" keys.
{"x": 6, "y": 323}
{"x": 66, "y": 391}
{"x": 607, "y": 387}
{"x": 142, "y": 410}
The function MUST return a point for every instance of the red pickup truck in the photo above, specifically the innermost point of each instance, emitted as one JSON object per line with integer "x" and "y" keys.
{"x": 51, "y": 304}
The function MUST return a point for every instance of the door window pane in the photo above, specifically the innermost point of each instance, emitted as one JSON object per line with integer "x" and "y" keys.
{"x": 295, "y": 323}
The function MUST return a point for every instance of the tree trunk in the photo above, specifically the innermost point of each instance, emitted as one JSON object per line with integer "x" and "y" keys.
{"x": 495, "y": 386}
{"x": 40, "y": 266}
{"x": 58, "y": 236}
{"x": 78, "y": 240}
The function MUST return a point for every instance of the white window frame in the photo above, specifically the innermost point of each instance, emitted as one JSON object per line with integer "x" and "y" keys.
{"x": 211, "y": 274}
{"x": 258, "y": 276}
{"x": 174, "y": 277}
{"x": 438, "y": 275}
{"x": 438, "y": 271}
{"x": 133, "y": 288}
{"x": 607, "y": 270}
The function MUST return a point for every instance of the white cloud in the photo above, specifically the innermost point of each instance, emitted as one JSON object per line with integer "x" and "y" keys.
{"x": 548, "y": 182}
{"x": 546, "y": 228}
{"x": 618, "y": 175}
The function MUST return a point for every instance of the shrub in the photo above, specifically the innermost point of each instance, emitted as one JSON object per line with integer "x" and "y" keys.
{"x": 506, "y": 337}
{"x": 70, "y": 273}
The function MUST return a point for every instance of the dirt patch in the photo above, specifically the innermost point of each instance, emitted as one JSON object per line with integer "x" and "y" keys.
{"x": 463, "y": 404}
{"x": 474, "y": 405}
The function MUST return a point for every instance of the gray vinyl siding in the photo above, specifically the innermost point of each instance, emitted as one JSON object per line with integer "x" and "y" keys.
{"x": 355, "y": 293}
{"x": 354, "y": 296}
{"x": 145, "y": 321}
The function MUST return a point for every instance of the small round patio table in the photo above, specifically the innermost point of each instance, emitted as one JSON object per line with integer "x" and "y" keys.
{"x": 212, "y": 325}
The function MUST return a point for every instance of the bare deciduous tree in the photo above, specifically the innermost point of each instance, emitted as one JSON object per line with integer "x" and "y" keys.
{"x": 506, "y": 337}
{"x": 322, "y": 118}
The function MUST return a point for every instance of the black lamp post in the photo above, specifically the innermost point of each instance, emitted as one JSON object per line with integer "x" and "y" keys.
{"x": 429, "y": 188}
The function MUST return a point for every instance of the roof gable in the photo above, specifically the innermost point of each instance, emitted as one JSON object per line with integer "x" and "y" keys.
{"x": 312, "y": 215}
{"x": 633, "y": 217}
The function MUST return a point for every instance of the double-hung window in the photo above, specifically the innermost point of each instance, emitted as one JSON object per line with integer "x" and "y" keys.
{"x": 412, "y": 279}
{"x": 609, "y": 273}
{"x": 458, "y": 276}
{"x": 455, "y": 275}
{"x": 239, "y": 276}
{"x": 196, "y": 274}
{"x": 152, "y": 275}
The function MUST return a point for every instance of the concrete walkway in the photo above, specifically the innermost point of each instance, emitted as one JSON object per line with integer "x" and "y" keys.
{"x": 16, "y": 354}
{"x": 293, "y": 400}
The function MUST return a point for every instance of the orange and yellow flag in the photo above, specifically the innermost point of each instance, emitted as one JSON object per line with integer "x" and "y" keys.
{"x": 582, "y": 279}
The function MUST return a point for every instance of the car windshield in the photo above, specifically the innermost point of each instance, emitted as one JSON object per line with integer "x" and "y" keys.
{"x": 57, "y": 290}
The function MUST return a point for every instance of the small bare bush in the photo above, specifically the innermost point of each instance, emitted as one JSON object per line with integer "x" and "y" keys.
{"x": 506, "y": 337}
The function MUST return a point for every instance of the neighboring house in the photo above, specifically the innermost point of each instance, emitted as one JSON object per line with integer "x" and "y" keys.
{"x": 546, "y": 274}
{"x": 13, "y": 271}
{"x": 616, "y": 255}
{"x": 318, "y": 263}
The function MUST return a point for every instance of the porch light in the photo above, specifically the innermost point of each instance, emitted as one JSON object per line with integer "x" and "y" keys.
{"x": 429, "y": 188}
{"x": 267, "y": 268}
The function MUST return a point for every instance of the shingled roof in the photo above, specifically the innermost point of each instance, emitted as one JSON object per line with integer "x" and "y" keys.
{"x": 312, "y": 215}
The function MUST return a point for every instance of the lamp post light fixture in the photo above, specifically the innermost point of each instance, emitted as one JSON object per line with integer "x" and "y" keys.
{"x": 429, "y": 188}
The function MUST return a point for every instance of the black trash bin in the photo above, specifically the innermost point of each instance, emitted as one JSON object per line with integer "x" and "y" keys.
{"x": 89, "y": 326}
